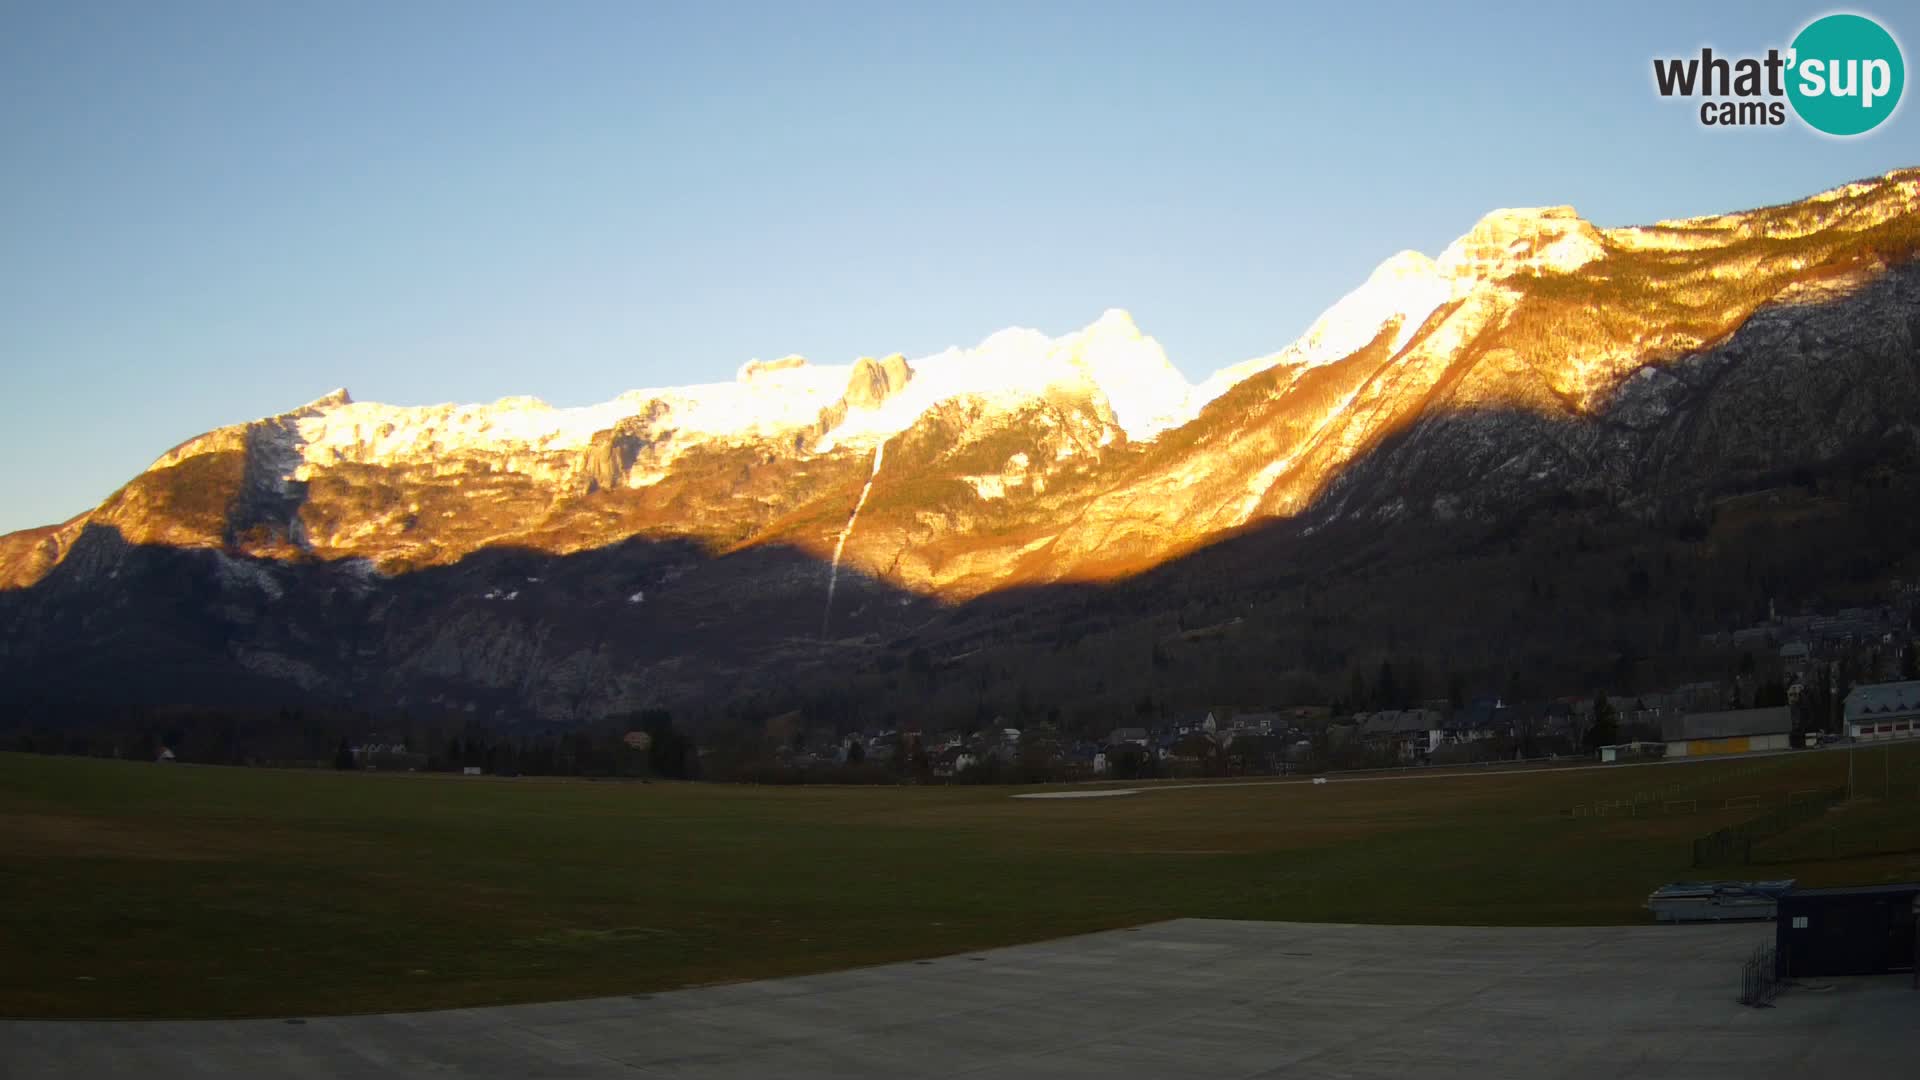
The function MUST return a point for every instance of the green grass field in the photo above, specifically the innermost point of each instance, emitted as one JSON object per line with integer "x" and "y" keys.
{"x": 143, "y": 890}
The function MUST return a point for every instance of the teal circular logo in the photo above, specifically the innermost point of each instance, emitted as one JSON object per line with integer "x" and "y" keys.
{"x": 1846, "y": 76}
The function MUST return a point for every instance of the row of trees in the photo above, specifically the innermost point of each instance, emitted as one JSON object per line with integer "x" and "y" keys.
{"x": 296, "y": 737}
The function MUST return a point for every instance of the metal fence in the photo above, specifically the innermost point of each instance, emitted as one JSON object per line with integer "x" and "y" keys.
{"x": 1734, "y": 844}
{"x": 1760, "y": 978}
{"x": 1849, "y": 837}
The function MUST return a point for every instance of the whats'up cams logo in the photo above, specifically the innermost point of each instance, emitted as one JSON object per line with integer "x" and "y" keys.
{"x": 1842, "y": 75}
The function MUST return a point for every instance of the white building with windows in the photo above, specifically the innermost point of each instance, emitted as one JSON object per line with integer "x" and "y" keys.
{"x": 1883, "y": 711}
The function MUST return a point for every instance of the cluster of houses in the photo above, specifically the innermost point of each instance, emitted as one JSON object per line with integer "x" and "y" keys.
{"x": 947, "y": 753}
{"x": 1872, "y": 712}
{"x": 1690, "y": 720}
{"x": 1290, "y": 738}
{"x": 1809, "y": 646}
{"x": 1799, "y": 651}
{"x": 1800, "y": 638}
{"x": 1258, "y": 740}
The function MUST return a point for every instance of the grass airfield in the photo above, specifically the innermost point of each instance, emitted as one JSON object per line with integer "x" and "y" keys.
{"x": 137, "y": 890}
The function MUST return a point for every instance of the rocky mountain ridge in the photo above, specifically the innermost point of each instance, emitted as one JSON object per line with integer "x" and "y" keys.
{"x": 1538, "y": 357}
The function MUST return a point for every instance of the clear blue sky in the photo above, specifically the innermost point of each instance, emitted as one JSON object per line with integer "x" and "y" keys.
{"x": 216, "y": 211}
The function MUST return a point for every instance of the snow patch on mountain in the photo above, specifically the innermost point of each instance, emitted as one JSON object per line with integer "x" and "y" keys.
{"x": 1110, "y": 358}
{"x": 1507, "y": 242}
{"x": 1109, "y": 361}
{"x": 1017, "y": 473}
{"x": 765, "y": 400}
{"x": 1407, "y": 287}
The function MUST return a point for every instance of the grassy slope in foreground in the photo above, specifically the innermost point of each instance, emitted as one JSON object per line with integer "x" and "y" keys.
{"x": 140, "y": 890}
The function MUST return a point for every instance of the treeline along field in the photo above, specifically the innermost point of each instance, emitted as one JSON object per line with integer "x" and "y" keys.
{"x": 149, "y": 890}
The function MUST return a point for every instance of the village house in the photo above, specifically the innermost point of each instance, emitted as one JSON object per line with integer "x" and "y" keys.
{"x": 1193, "y": 748}
{"x": 1881, "y": 711}
{"x": 1477, "y": 721}
{"x": 1257, "y": 753}
{"x": 1655, "y": 709}
{"x": 1186, "y": 723}
{"x": 1411, "y": 733}
{"x": 1795, "y": 656}
{"x": 883, "y": 747}
{"x": 1257, "y": 723}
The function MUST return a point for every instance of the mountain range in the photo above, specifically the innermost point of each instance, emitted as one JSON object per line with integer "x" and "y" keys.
{"x": 828, "y": 528}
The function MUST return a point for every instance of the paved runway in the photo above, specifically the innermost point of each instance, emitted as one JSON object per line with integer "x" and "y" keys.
{"x": 1191, "y": 998}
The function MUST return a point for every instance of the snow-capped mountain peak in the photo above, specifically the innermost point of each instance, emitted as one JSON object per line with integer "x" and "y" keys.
{"x": 1506, "y": 242}
{"x": 1110, "y": 357}
{"x": 1145, "y": 391}
{"x": 1110, "y": 362}
{"x": 1407, "y": 287}
{"x": 331, "y": 399}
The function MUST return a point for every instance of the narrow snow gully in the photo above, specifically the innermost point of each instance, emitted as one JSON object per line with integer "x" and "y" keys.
{"x": 833, "y": 576}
